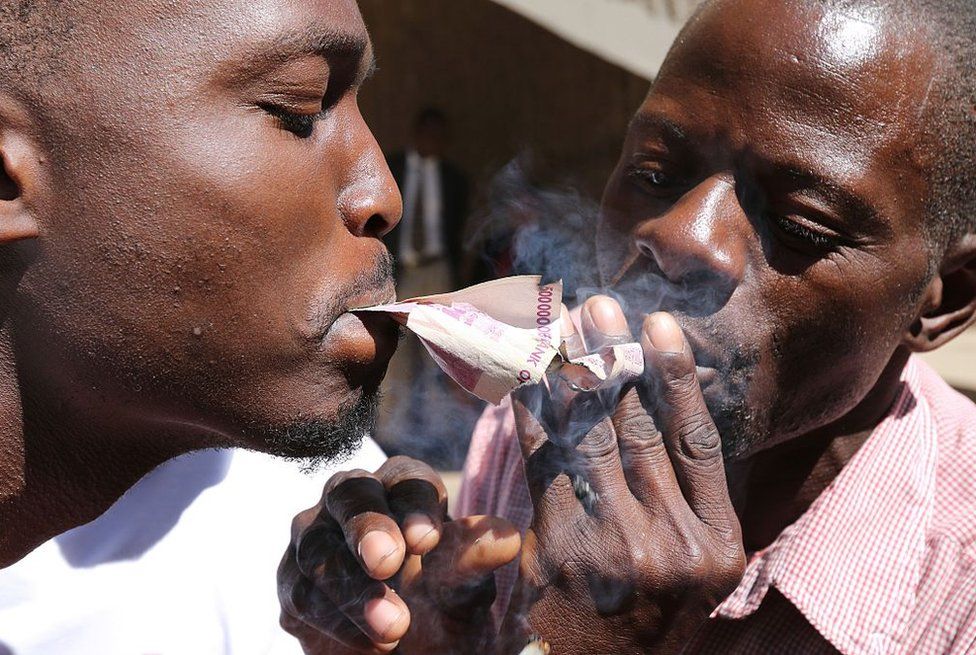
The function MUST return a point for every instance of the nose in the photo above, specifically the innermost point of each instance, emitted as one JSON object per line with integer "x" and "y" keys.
{"x": 369, "y": 201}
{"x": 698, "y": 240}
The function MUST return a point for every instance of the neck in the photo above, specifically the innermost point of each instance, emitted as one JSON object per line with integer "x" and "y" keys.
{"x": 773, "y": 488}
{"x": 61, "y": 466}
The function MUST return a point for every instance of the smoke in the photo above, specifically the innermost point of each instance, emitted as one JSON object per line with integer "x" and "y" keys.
{"x": 549, "y": 232}
{"x": 522, "y": 229}
{"x": 556, "y": 232}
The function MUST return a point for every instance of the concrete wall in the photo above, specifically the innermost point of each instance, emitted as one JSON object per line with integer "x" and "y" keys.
{"x": 507, "y": 84}
{"x": 633, "y": 34}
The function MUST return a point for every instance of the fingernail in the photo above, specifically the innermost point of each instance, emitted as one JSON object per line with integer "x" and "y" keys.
{"x": 664, "y": 334}
{"x": 375, "y": 547}
{"x": 606, "y": 316}
{"x": 382, "y": 616}
{"x": 418, "y": 529}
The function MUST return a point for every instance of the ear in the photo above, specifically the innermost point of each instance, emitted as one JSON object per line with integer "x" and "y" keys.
{"x": 19, "y": 167}
{"x": 950, "y": 300}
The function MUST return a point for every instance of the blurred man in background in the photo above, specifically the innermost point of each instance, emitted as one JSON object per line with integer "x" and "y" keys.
{"x": 427, "y": 246}
{"x": 421, "y": 411}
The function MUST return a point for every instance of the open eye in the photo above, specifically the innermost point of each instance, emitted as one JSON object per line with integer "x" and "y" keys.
{"x": 655, "y": 179}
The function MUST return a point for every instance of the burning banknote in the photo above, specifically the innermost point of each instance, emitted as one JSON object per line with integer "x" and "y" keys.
{"x": 494, "y": 337}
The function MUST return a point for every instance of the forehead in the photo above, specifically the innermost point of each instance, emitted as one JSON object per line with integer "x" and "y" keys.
{"x": 795, "y": 80}
{"x": 227, "y": 26}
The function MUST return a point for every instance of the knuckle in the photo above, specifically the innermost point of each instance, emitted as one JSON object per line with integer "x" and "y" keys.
{"x": 292, "y": 597}
{"x": 728, "y": 575}
{"x": 340, "y": 478}
{"x": 600, "y": 443}
{"x": 631, "y": 417}
{"x": 682, "y": 386}
{"x": 698, "y": 437}
{"x": 302, "y": 521}
{"x": 289, "y": 623}
{"x": 314, "y": 548}
{"x": 399, "y": 467}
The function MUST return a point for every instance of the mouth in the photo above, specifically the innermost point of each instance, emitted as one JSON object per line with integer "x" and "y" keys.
{"x": 384, "y": 295}
{"x": 363, "y": 343}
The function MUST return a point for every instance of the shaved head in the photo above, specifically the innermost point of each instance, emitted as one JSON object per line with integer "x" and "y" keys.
{"x": 949, "y": 115}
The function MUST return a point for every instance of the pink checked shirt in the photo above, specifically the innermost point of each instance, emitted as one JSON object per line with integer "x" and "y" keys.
{"x": 884, "y": 561}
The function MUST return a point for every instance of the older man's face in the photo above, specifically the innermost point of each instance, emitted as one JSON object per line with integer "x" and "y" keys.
{"x": 770, "y": 193}
{"x": 214, "y": 204}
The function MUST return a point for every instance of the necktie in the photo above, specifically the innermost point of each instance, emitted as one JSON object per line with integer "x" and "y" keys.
{"x": 417, "y": 237}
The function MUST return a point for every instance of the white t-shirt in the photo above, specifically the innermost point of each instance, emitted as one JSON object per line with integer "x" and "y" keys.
{"x": 183, "y": 564}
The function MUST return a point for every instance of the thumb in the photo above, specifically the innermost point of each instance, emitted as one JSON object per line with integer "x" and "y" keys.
{"x": 459, "y": 573}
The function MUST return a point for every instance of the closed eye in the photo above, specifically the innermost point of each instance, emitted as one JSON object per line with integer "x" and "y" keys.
{"x": 795, "y": 230}
{"x": 301, "y": 125}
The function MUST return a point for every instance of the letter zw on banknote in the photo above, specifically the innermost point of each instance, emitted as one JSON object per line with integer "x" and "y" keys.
{"x": 499, "y": 335}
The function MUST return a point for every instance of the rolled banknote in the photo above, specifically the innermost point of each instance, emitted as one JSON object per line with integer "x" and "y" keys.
{"x": 497, "y": 336}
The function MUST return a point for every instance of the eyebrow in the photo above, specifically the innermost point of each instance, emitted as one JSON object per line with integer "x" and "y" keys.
{"x": 647, "y": 122}
{"x": 330, "y": 44}
{"x": 327, "y": 43}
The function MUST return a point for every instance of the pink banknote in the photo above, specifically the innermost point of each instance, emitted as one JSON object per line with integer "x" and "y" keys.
{"x": 497, "y": 336}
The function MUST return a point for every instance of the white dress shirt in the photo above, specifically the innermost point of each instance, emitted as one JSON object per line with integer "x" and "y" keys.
{"x": 421, "y": 178}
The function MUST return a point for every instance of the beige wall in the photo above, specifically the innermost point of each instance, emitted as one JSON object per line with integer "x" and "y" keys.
{"x": 507, "y": 84}
{"x": 633, "y": 34}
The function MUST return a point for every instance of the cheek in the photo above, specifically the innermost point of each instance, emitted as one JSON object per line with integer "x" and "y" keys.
{"x": 203, "y": 255}
{"x": 827, "y": 344}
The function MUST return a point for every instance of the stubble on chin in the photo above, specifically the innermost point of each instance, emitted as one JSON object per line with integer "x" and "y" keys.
{"x": 317, "y": 443}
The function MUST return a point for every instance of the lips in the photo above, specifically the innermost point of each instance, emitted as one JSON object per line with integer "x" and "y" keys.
{"x": 382, "y": 296}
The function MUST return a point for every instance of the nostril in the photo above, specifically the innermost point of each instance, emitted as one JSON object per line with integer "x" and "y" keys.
{"x": 376, "y": 226}
{"x": 645, "y": 250}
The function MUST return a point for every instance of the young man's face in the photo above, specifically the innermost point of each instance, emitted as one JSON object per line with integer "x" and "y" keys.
{"x": 212, "y": 206}
{"x": 771, "y": 188}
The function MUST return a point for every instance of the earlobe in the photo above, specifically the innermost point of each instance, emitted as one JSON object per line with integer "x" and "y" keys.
{"x": 950, "y": 300}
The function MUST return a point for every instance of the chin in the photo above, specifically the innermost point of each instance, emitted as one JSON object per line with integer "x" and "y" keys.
{"x": 319, "y": 440}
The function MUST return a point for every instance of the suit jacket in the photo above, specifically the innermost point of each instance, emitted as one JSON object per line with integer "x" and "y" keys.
{"x": 454, "y": 204}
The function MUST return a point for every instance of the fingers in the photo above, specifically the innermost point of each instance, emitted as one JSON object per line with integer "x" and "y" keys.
{"x": 360, "y": 534}
{"x": 460, "y": 573}
{"x": 417, "y": 497}
{"x": 543, "y": 461}
{"x": 356, "y": 500}
{"x": 336, "y": 602}
{"x": 604, "y": 324}
{"x": 572, "y": 339}
{"x": 690, "y": 435}
{"x": 647, "y": 466}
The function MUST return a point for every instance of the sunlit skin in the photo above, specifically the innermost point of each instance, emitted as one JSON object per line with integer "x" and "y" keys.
{"x": 190, "y": 205}
{"x": 771, "y": 195}
{"x": 207, "y": 204}
{"x": 783, "y": 186}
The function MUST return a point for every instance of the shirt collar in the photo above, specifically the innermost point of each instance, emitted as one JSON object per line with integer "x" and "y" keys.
{"x": 852, "y": 562}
